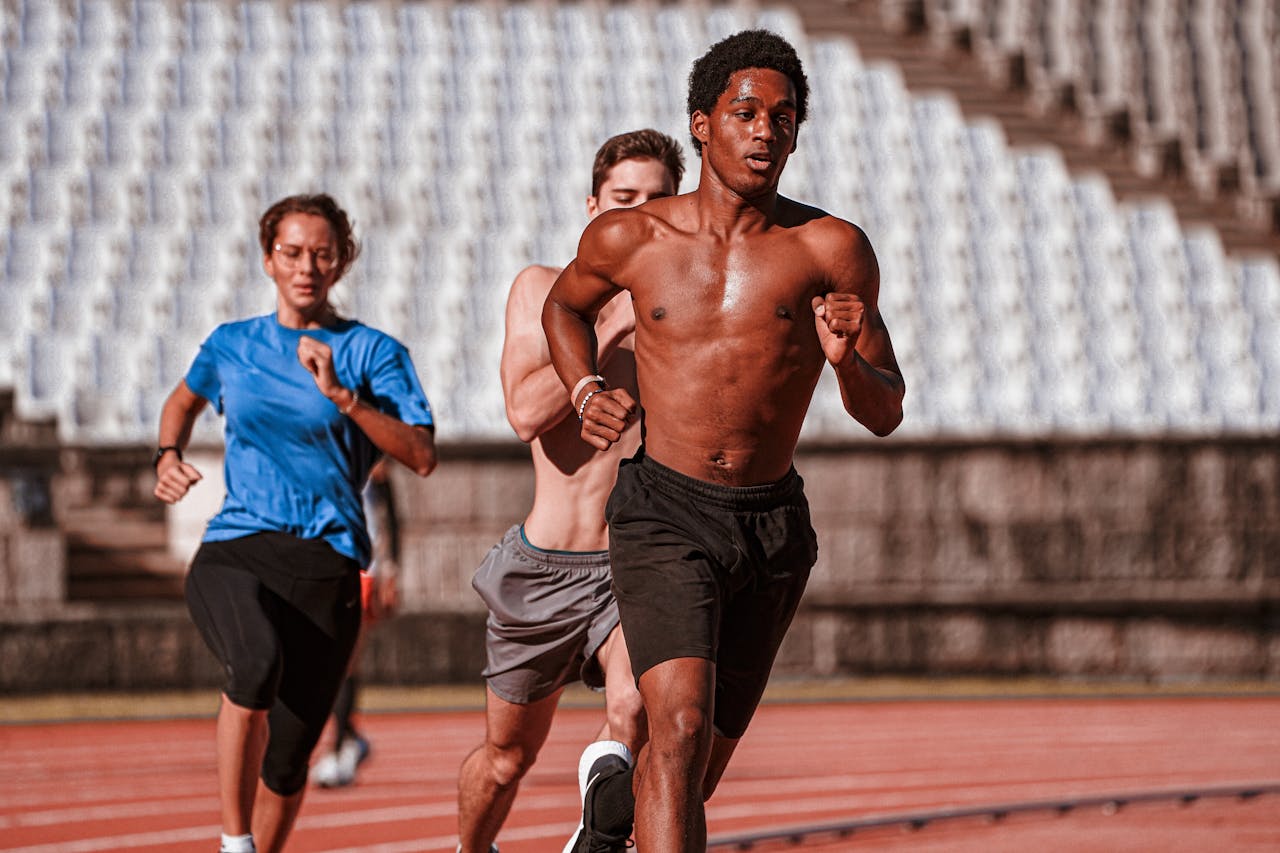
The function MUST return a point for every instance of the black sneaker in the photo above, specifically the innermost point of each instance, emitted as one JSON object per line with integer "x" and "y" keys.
{"x": 591, "y": 836}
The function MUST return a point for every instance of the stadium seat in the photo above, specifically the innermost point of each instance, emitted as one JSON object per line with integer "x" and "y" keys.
{"x": 31, "y": 76}
{"x": 41, "y": 25}
{"x": 1258, "y": 279}
{"x": 139, "y": 144}
{"x": 90, "y": 78}
{"x": 208, "y": 28}
{"x": 98, "y": 27}
{"x": 46, "y": 366}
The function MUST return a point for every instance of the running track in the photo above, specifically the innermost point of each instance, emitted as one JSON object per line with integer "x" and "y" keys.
{"x": 148, "y": 785}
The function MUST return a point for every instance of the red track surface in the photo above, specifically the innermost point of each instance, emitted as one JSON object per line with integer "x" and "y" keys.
{"x": 149, "y": 786}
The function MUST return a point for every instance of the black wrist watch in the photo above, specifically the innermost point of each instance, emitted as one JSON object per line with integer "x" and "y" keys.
{"x": 161, "y": 451}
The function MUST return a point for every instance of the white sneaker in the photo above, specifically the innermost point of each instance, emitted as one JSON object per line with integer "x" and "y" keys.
{"x": 353, "y": 753}
{"x": 338, "y": 769}
{"x": 327, "y": 772}
{"x": 598, "y": 759}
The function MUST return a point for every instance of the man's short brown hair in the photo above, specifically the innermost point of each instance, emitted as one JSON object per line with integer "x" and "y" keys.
{"x": 647, "y": 143}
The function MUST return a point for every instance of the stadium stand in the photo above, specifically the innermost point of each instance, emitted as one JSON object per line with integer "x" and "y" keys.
{"x": 138, "y": 148}
{"x": 1093, "y": 356}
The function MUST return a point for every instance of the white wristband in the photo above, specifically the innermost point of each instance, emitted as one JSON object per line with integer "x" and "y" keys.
{"x": 355, "y": 398}
{"x": 577, "y": 389}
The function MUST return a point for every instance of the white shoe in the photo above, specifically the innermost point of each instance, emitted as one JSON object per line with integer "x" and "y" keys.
{"x": 353, "y": 753}
{"x": 338, "y": 769}
{"x": 326, "y": 772}
{"x": 599, "y": 758}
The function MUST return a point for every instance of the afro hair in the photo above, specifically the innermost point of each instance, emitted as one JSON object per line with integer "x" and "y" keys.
{"x": 748, "y": 49}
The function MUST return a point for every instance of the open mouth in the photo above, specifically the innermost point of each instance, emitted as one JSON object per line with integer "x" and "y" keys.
{"x": 759, "y": 162}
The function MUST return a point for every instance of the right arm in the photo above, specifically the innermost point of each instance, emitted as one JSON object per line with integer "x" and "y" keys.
{"x": 173, "y": 476}
{"x": 534, "y": 395}
{"x": 568, "y": 320}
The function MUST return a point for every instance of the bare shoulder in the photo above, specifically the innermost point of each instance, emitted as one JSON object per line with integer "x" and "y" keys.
{"x": 616, "y": 234}
{"x": 535, "y": 278}
{"x": 528, "y": 291}
{"x": 824, "y": 230}
{"x": 840, "y": 247}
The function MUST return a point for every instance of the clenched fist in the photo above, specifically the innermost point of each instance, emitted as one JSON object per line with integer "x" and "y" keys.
{"x": 174, "y": 478}
{"x": 317, "y": 357}
{"x": 837, "y": 318}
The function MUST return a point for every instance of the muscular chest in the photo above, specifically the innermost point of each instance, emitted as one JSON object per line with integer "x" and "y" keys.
{"x": 763, "y": 288}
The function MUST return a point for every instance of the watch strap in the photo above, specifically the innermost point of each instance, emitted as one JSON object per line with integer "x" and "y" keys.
{"x": 162, "y": 450}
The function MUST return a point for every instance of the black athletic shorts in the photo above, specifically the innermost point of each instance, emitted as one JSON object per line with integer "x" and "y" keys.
{"x": 709, "y": 571}
{"x": 281, "y": 614}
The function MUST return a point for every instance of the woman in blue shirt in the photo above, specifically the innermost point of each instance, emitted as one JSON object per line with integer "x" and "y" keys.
{"x": 311, "y": 402}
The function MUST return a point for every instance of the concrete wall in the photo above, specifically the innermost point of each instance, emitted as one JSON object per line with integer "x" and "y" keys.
{"x": 1142, "y": 559}
{"x": 1117, "y": 559}
{"x": 1134, "y": 559}
{"x": 32, "y": 549}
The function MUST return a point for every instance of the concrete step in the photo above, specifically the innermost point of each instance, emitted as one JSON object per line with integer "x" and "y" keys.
{"x": 132, "y": 588}
{"x": 119, "y": 562}
{"x": 131, "y": 534}
{"x": 120, "y": 553}
{"x": 927, "y": 65}
{"x": 122, "y": 573}
{"x": 107, "y": 527}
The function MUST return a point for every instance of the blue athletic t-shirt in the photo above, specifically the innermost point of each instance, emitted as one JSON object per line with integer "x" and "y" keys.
{"x": 294, "y": 463}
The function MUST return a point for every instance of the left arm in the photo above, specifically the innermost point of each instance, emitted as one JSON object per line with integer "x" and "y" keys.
{"x": 855, "y": 340}
{"x": 413, "y": 446}
{"x": 569, "y": 317}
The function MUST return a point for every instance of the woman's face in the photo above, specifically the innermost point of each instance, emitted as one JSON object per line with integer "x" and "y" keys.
{"x": 304, "y": 264}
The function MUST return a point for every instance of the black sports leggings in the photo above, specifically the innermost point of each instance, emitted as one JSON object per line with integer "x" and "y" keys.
{"x": 282, "y": 615}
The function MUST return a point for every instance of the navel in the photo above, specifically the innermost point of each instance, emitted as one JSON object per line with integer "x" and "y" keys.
{"x": 782, "y": 312}
{"x": 658, "y": 313}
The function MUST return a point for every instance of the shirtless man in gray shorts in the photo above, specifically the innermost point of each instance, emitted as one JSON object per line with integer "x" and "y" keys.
{"x": 552, "y": 617}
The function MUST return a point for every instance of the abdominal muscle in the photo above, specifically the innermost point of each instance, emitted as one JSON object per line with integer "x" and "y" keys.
{"x": 739, "y": 432}
{"x": 733, "y": 459}
{"x": 572, "y": 482}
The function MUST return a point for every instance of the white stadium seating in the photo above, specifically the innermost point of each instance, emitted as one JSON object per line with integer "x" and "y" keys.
{"x": 139, "y": 141}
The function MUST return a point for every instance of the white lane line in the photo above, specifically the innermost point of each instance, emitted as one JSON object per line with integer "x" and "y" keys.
{"x": 558, "y": 831}
{"x": 111, "y": 812}
{"x": 305, "y": 822}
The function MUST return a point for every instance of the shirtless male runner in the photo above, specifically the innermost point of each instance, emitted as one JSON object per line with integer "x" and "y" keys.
{"x": 552, "y": 617}
{"x": 740, "y": 296}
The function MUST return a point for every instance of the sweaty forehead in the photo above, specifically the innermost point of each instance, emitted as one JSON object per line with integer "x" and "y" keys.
{"x": 761, "y": 84}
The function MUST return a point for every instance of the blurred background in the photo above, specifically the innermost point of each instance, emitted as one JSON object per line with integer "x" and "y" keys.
{"x": 1075, "y": 205}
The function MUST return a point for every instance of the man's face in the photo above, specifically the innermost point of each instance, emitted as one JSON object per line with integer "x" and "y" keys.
{"x": 751, "y": 130}
{"x": 631, "y": 182}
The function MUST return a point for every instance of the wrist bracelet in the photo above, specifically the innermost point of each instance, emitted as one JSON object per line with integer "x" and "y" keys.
{"x": 590, "y": 394}
{"x": 355, "y": 398}
{"x": 577, "y": 389}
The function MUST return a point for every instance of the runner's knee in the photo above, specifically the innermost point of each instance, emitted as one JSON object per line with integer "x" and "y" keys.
{"x": 509, "y": 764}
{"x": 684, "y": 731}
{"x": 252, "y": 680}
{"x": 624, "y": 709}
{"x": 283, "y": 777}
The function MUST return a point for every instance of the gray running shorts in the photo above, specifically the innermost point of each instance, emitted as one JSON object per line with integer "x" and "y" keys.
{"x": 549, "y": 612}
